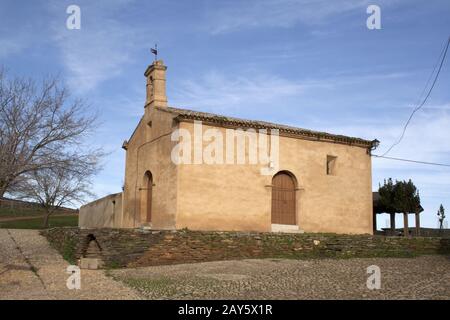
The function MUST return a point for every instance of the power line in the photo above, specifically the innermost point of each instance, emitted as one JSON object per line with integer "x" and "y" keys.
{"x": 443, "y": 55}
{"x": 414, "y": 161}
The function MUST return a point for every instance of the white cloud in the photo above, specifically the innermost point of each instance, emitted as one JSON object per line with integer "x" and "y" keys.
{"x": 17, "y": 37}
{"x": 215, "y": 90}
{"x": 93, "y": 57}
{"x": 282, "y": 13}
{"x": 443, "y": 106}
{"x": 218, "y": 91}
{"x": 101, "y": 49}
{"x": 9, "y": 46}
{"x": 426, "y": 139}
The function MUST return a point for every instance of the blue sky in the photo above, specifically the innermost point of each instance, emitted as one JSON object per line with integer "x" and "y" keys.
{"x": 312, "y": 64}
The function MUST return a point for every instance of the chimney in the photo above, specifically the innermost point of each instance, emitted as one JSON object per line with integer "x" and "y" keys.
{"x": 156, "y": 85}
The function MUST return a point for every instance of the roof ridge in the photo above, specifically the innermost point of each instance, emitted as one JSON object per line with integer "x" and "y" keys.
{"x": 200, "y": 115}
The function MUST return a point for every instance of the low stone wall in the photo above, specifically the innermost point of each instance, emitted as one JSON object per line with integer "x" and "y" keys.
{"x": 128, "y": 247}
{"x": 105, "y": 212}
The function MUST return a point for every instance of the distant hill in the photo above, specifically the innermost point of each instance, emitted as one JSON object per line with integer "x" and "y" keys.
{"x": 18, "y": 208}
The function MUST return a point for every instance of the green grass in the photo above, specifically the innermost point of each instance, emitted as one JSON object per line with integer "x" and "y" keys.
{"x": 20, "y": 212}
{"x": 36, "y": 223}
{"x": 165, "y": 287}
{"x": 68, "y": 251}
{"x": 113, "y": 265}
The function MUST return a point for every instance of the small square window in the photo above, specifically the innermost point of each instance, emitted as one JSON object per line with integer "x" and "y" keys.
{"x": 331, "y": 165}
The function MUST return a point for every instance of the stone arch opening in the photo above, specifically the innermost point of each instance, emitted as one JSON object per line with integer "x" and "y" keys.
{"x": 91, "y": 247}
{"x": 147, "y": 196}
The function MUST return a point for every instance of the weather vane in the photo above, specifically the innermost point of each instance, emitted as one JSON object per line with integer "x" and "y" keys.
{"x": 155, "y": 51}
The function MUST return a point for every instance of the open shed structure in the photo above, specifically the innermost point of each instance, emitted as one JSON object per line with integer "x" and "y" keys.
{"x": 378, "y": 208}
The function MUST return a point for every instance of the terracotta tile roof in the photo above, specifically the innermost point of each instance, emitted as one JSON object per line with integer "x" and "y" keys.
{"x": 185, "y": 114}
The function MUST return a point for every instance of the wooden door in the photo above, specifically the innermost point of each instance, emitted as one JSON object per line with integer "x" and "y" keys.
{"x": 283, "y": 199}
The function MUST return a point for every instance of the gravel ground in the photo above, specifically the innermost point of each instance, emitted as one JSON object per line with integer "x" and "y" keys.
{"x": 31, "y": 269}
{"x": 426, "y": 277}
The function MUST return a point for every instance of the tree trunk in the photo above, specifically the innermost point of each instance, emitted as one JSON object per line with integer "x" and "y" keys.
{"x": 405, "y": 225}
{"x": 417, "y": 224}
{"x": 5, "y": 183}
{"x": 46, "y": 218}
{"x": 374, "y": 223}
{"x": 2, "y": 190}
{"x": 392, "y": 224}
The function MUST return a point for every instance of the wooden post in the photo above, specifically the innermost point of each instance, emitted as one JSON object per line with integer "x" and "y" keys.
{"x": 405, "y": 224}
{"x": 392, "y": 223}
{"x": 374, "y": 227}
{"x": 417, "y": 223}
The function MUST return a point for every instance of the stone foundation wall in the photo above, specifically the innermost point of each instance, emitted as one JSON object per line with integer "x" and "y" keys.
{"x": 128, "y": 247}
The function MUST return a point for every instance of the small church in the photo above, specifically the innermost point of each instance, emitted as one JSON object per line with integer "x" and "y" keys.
{"x": 203, "y": 171}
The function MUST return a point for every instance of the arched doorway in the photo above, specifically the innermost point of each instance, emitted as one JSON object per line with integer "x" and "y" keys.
{"x": 148, "y": 183}
{"x": 283, "y": 199}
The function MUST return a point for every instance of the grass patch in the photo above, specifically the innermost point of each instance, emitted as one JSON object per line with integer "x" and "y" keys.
{"x": 20, "y": 212}
{"x": 113, "y": 265}
{"x": 37, "y": 223}
{"x": 160, "y": 286}
{"x": 68, "y": 251}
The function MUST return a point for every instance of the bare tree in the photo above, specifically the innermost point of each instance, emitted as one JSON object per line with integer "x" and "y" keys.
{"x": 60, "y": 186}
{"x": 441, "y": 216}
{"x": 41, "y": 128}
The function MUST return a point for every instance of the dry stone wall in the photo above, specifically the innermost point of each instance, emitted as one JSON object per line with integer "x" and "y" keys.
{"x": 133, "y": 248}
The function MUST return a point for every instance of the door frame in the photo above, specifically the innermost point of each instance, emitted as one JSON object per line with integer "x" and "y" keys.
{"x": 295, "y": 193}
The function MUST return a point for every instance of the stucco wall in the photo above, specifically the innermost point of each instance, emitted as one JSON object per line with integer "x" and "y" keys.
{"x": 149, "y": 149}
{"x": 105, "y": 212}
{"x": 238, "y": 197}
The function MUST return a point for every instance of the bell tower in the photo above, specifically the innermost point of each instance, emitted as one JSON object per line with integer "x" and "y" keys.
{"x": 156, "y": 85}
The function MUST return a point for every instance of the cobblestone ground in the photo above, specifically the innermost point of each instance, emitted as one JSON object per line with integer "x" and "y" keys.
{"x": 31, "y": 269}
{"x": 425, "y": 277}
